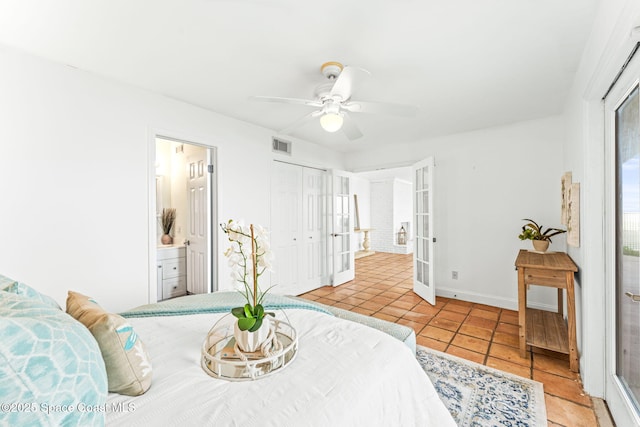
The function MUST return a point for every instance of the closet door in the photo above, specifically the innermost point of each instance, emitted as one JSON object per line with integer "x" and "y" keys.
{"x": 286, "y": 228}
{"x": 313, "y": 237}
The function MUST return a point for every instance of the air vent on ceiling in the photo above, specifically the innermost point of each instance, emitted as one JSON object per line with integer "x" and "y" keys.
{"x": 280, "y": 146}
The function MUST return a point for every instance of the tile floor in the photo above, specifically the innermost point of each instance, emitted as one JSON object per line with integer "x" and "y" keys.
{"x": 484, "y": 334}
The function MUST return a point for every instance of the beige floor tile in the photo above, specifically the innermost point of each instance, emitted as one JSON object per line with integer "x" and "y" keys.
{"x": 567, "y": 413}
{"x": 554, "y": 366}
{"x": 471, "y": 343}
{"x": 509, "y": 354}
{"x": 384, "y": 316}
{"x": 393, "y": 311}
{"x": 437, "y": 333}
{"x": 431, "y": 343}
{"x": 466, "y": 354}
{"x": 474, "y": 331}
{"x": 451, "y": 315}
{"x": 512, "y": 368}
{"x": 506, "y": 339}
{"x": 562, "y": 387}
{"x": 452, "y": 306}
{"x": 447, "y": 324}
{"x": 491, "y": 315}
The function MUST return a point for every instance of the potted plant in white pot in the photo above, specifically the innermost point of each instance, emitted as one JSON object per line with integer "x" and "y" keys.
{"x": 538, "y": 235}
{"x": 249, "y": 257}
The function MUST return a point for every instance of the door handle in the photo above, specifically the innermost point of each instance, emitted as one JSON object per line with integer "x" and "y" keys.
{"x": 187, "y": 242}
{"x": 634, "y": 297}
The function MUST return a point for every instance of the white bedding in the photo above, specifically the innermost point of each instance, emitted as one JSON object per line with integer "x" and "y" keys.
{"x": 345, "y": 374}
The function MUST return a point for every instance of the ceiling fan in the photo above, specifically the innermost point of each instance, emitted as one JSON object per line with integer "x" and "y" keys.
{"x": 334, "y": 103}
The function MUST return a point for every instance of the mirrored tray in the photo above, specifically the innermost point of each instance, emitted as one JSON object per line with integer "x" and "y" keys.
{"x": 220, "y": 360}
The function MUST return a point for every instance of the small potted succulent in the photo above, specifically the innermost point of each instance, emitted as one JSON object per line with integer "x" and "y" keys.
{"x": 249, "y": 257}
{"x": 538, "y": 235}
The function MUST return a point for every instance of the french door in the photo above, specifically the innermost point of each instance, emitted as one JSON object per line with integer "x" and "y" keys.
{"x": 423, "y": 283}
{"x": 622, "y": 124}
{"x": 342, "y": 253}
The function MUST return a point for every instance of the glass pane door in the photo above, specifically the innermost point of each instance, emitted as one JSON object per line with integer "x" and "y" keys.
{"x": 343, "y": 254}
{"x": 627, "y": 140}
{"x": 423, "y": 218}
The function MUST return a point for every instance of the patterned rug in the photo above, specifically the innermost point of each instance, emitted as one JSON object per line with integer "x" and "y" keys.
{"x": 477, "y": 395}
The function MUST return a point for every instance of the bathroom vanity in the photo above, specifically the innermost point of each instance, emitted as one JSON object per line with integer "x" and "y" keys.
{"x": 172, "y": 272}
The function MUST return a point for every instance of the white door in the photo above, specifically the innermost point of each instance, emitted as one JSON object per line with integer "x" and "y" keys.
{"x": 313, "y": 234}
{"x": 198, "y": 221}
{"x": 286, "y": 227}
{"x": 622, "y": 125}
{"x": 423, "y": 283}
{"x": 341, "y": 218}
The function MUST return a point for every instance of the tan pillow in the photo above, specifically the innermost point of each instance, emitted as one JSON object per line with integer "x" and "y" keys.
{"x": 125, "y": 357}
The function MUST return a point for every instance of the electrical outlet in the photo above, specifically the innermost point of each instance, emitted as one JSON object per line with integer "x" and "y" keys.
{"x": 454, "y": 275}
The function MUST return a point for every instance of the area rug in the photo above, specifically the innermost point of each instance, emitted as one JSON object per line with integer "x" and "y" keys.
{"x": 478, "y": 395}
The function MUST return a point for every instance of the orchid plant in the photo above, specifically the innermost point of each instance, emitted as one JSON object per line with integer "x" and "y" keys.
{"x": 249, "y": 258}
{"x": 533, "y": 231}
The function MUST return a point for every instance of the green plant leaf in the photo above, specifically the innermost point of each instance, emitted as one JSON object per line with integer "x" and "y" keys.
{"x": 270, "y": 314}
{"x": 247, "y": 311}
{"x": 238, "y": 312}
{"x": 246, "y": 323}
{"x": 256, "y": 325}
{"x": 259, "y": 311}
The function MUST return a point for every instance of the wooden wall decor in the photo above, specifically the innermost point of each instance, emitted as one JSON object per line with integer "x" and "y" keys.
{"x": 565, "y": 183}
{"x": 573, "y": 215}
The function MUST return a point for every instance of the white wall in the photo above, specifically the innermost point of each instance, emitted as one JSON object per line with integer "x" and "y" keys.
{"x": 485, "y": 182}
{"x": 403, "y": 212}
{"x": 76, "y": 162}
{"x": 381, "y": 216}
{"x": 391, "y": 204}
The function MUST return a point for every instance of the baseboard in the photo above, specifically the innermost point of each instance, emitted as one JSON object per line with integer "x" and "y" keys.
{"x": 510, "y": 304}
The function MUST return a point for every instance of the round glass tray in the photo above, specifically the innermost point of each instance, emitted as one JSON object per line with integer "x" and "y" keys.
{"x": 219, "y": 358}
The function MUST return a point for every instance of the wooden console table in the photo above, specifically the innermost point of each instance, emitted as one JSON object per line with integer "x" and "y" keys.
{"x": 546, "y": 329}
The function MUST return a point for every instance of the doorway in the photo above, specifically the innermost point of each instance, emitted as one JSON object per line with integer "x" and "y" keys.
{"x": 184, "y": 248}
{"x": 622, "y": 139}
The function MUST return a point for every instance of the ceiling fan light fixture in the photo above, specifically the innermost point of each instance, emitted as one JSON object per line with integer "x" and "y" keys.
{"x": 331, "y": 122}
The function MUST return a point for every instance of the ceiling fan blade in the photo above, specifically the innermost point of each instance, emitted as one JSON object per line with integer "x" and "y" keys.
{"x": 350, "y": 128}
{"x": 301, "y": 121}
{"x": 348, "y": 81}
{"x": 381, "y": 108}
{"x": 298, "y": 101}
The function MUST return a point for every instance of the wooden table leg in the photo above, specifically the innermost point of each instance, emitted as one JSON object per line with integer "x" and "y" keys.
{"x": 522, "y": 312}
{"x": 574, "y": 364}
{"x": 560, "y": 302}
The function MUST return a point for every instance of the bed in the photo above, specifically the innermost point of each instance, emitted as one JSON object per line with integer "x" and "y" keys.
{"x": 345, "y": 374}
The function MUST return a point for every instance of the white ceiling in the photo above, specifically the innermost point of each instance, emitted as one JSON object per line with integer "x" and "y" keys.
{"x": 467, "y": 64}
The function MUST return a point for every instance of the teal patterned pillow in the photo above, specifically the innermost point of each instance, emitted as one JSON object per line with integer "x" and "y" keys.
{"x": 10, "y": 285}
{"x": 51, "y": 368}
